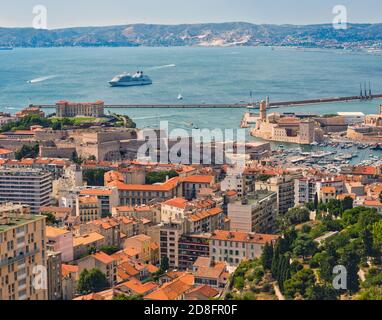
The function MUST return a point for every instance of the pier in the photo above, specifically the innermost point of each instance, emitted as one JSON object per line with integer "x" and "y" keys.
{"x": 279, "y": 104}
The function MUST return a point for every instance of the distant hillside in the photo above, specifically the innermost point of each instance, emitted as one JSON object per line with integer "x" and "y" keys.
{"x": 220, "y": 34}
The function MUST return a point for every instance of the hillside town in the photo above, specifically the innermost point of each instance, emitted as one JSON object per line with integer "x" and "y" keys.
{"x": 83, "y": 210}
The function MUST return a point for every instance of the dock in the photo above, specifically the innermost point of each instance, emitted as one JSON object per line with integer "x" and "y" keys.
{"x": 279, "y": 104}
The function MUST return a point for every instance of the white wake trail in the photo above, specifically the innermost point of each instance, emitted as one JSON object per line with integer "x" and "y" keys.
{"x": 41, "y": 79}
{"x": 162, "y": 67}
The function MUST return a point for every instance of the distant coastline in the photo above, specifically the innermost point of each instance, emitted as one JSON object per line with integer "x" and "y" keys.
{"x": 321, "y": 36}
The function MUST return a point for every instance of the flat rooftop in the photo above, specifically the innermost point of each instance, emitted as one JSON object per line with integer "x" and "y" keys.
{"x": 18, "y": 221}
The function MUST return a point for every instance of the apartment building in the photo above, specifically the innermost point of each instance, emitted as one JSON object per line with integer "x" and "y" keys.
{"x": 108, "y": 198}
{"x": 105, "y": 263}
{"x": 234, "y": 247}
{"x": 205, "y": 221}
{"x": 305, "y": 190}
{"x": 209, "y": 272}
{"x": 60, "y": 240}
{"x": 283, "y": 185}
{"x": 170, "y": 234}
{"x": 234, "y": 182}
{"x": 82, "y": 244}
{"x": 54, "y": 277}
{"x": 255, "y": 213}
{"x": 137, "y": 195}
{"x": 193, "y": 184}
{"x": 152, "y": 213}
{"x": 191, "y": 247}
{"x": 142, "y": 243}
{"x": 23, "y": 254}
{"x": 88, "y": 208}
{"x": 26, "y": 186}
{"x": 109, "y": 228}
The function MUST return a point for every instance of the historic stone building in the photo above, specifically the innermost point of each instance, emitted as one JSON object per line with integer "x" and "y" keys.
{"x": 69, "y": 109}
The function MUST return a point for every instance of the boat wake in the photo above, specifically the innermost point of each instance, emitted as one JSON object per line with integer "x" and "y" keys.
{"x": 41, "y": 79}
{"x": 162, "y": 67}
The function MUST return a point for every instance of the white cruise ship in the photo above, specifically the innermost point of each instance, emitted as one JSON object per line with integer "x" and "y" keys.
{"x": 127, "y": 80}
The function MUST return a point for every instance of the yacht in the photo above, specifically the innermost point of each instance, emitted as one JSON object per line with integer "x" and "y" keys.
{"x": 127, "y": 80}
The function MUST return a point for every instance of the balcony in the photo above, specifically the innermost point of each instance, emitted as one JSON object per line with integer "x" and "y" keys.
{"x": 8, "y": 261}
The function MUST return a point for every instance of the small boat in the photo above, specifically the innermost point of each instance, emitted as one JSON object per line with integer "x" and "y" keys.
{"x": 180, "y": 97}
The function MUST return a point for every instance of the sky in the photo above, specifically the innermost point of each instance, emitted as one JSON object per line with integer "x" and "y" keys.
{"x": 69, "y": 13}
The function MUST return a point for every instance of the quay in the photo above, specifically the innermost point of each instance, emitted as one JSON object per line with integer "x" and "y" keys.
{"x": 279, "y": 104}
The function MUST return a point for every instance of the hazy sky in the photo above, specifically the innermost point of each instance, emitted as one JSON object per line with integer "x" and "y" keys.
{"x": 65, "y": 13}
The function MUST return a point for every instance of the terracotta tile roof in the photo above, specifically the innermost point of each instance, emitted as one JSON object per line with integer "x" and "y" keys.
{"x": 55, "y": 232}
{"x": 231, "y": 193}
{"x": 103, "y": 257}
{"x": 373, "y": 203}
{"x": 202, "y": 293}
{"x": 174, "y": 289}
{"x": 165, "y": 187}
{"x": 198, "y": 216}
{"x": 207, "y": 270}
{"x": 198, "y": 179}
{"x": 5, "y": 151}
{"x": 106, "y": 223}
{"x": 88, "y": 199}
{"x": 87, "y": 239}
{"x": 243, "y": 237}
{"x": 96, "y": 192}
{"x": 128, "y": 269}
{"x": 67, "y": 269}
{"x": 138, "y": 287}
{"x": 180, "y": 203}
{"x": 328, "y": 190}
{"x": 365, "y": 170}
{"x": 55, "y": 210}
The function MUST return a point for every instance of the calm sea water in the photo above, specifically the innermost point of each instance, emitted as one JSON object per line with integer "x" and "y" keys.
{"x": 209, "y": 75}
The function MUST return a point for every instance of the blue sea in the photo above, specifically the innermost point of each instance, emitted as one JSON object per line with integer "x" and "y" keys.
{"x": 200, "y": 75}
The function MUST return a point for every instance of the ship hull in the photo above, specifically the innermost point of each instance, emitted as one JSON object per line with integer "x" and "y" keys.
{"x": 129, "y": 84}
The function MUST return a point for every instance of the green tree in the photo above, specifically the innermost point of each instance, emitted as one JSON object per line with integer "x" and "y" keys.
{"x": 370, "y": 294}
{"x": 28, "y": 152}
{"x": 160, "y": 177}
{"x": 350, "y": 261}
{"x": 347, "y": 203}
{"x": 316, "y": 202}
{"x": 109, "y": 250}
{"x": 267, "y": 256}
{"x": 94, "y": 177}
{"x": 275, "y": 260}
{"x": 50, "y": 218}
{"x": 299, "y": 283}
{"x": 368, "y": 244}
{"x": 377, "y": 233}
{"x": 297, "y": 215}
{"x": 304, "y": 246}
{"x": 321, "y": 293}
{"x": 165, "y": 264}
{"x": 92, "y": 281}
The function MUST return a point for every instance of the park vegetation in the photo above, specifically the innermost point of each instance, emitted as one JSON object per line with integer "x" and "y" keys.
{"x": 302, "y": 267}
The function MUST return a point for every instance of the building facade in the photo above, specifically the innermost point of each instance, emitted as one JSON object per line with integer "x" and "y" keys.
{"x": 22, "y": 254}
{"x": 66, "y": 109}
{"x": 26, "y": 186}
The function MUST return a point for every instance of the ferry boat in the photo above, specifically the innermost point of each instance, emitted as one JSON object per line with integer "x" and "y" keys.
{"x": 127, "y": 80}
